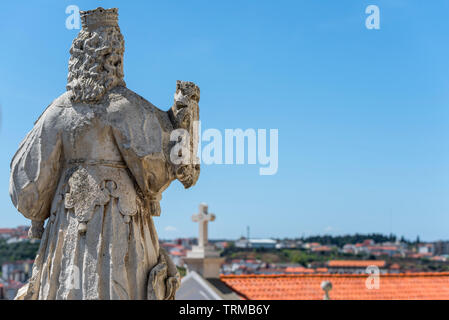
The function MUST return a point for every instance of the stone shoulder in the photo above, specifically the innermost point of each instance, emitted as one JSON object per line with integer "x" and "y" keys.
{"x": 124, "y": 103}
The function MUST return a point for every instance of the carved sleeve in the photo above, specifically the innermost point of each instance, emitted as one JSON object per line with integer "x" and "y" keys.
{"x": 35, "y": 170}
{"x": 141, "y": 135}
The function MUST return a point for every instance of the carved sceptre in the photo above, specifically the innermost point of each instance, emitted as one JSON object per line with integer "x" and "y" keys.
{"x": 184, "y": 114}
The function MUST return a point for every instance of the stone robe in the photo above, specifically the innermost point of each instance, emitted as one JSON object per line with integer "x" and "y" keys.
{"x": 97, "y": 173}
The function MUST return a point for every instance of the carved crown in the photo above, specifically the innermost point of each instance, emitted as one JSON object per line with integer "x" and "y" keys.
{"x": 99, "y": 17}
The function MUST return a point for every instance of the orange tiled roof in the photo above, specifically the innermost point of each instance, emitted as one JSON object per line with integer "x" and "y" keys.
{"x": 356, "y": 263}
{"x": 383, "y": 248}
{"x": 409, "y": 286}
{"x": 299, "y": 270}
{"x": 420, "y": 255}
{"x": 176, "y": 253}
{"x": 322, "y": 248}
{"x": 438, "y": 258}
{"x": 395, "y": 266}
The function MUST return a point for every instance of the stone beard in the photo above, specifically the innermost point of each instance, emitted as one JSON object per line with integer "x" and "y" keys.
{"x": 94, "y": 167}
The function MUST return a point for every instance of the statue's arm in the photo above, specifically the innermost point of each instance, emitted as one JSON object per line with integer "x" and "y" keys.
{"x": 35, "y": 171}
{"x": 142, "y": 133}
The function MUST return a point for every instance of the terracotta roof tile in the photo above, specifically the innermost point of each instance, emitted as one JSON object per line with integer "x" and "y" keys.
{"x": 383, "y": 248}
{"x": 409, "y": 286}
{"x": 322, "y": 248}
{"x": 356, "y": 263}
{"x": 299, "y": 270}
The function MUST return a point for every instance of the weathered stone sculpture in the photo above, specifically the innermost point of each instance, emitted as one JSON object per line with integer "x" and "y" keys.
{"x": 95, "y": 165}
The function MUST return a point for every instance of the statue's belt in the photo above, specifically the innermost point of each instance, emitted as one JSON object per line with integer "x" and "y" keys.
{"x": 98, "y": 162}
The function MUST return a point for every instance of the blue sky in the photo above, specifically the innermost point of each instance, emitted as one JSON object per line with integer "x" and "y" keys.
{"x": 362, "y": 114}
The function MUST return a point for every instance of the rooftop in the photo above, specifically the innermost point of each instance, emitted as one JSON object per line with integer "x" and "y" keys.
{"x": 356, "y": 263}
{"x": 262, "y": 241}
{"x": 410, "y": 286}
{"x": 299, "y": 270}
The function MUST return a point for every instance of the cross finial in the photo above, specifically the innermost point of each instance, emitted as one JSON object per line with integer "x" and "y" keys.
{"x": 203, "y": 217}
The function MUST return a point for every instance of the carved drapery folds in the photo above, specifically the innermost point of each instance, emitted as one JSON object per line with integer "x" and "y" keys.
{"x": 88, "y": 188}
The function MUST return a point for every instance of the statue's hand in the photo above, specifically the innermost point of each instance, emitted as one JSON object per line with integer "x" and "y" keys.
{"x": 188, "y": 174}
{"x": 184, "y": 113}
{"x": 36, "y": 230}
{"x": 164, "y": 279}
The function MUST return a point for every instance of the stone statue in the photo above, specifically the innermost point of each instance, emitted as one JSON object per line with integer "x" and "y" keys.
{"x": 94, "y": 166}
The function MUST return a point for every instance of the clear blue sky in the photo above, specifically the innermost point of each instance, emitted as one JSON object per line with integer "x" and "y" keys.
{"x": 362, "y": 114}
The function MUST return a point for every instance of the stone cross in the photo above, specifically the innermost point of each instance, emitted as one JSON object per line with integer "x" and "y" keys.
{"x": 203, "y": 218}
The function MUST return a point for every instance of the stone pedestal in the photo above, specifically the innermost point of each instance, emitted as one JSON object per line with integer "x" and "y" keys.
{"x": 206, "y": 267}
{"x": 201, "y": 252}
{"x": 205, "y": 261}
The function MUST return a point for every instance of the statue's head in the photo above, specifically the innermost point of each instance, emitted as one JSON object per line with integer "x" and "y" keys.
{"x": 96, "y": 61}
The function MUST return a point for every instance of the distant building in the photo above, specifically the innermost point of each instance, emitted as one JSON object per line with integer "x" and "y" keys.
{"x": 299, "y": 269}
{"x": 19, "y": 271}
{"x": 439, "y": 258}
{"x": 394, "y": 268}
{"x": 263, "y": 243}
{"x": 349, "y": 248}
{"x": 441, "y": 248}
{"x": 322, "y": 249}
{"x": 221, "y": 244}
{"x": 176, "y": 252}
{"x": 387, "y": 250}
{"x": 355, "y": 266}
{"x": 426, "y": 248}
{"x": 368, "y": 242}
{"x": 290, "y": 244}
{"x": 255, "y": 243}
{"x": 311, "y": 245}
{"x": 17, "y": 233}
{"x": 6, "y": 233}
{"x": 11, "y": 288}
{"x": 242, "y": 243}
{"x": 419, "y": 255}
